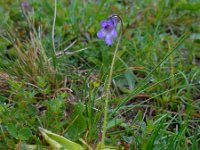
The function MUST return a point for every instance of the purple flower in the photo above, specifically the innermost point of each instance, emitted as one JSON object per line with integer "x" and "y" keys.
{"x": 108, "y": 31}
{"x": 26, "y": 6}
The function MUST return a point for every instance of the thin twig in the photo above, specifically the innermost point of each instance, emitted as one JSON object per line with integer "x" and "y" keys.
{"x": 70, "y": 45}
{"x": 53, "y": 27}
{"x": 69, "y": 53}
{"x": 62, "y": 52}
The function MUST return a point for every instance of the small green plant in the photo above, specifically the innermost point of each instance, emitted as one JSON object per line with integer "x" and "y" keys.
{"x": 109, "y": 32}
{"x": 63, "y": 88}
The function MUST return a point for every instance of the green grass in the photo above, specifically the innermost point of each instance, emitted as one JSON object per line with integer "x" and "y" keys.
{"x": 155, "y": 88}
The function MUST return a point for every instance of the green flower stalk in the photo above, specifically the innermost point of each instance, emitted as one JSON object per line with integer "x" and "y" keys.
{"x": 108, "y": 32}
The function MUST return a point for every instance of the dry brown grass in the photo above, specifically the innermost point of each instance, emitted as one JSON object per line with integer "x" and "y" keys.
{"x": 3, "y": 81}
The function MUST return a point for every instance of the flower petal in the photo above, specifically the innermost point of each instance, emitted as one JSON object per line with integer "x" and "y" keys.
{"x": 103, "y": 23}
{"x": 109, "y": 40}
{"x": 108, "y": 22}
{"x": 114, "y": 33}
{"x": 101, "y": 34}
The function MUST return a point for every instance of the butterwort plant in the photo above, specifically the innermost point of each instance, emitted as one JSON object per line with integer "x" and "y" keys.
{"x": 109, "y": 34}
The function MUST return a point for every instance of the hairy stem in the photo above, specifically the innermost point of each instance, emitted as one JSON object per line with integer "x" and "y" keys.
{"x": 107, "y": 88}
